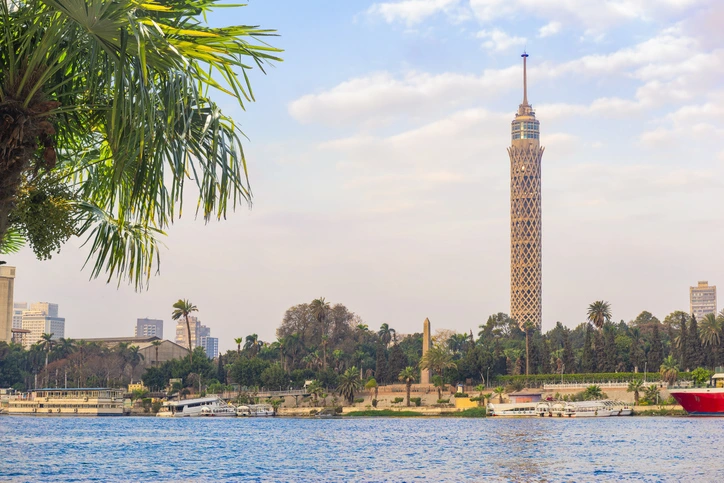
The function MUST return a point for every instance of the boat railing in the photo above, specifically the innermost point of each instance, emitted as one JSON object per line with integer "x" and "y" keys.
{"x": 583, "y": 385}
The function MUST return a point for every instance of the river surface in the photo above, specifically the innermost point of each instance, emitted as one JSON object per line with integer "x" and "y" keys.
{"x": 37, "y": 449}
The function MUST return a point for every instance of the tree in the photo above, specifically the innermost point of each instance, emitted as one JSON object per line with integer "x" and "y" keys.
{"x": 480, "y": 388}
{"x": 408, "y": 375}
{"x": 635, "y": 387}
{"x": 238, "y": 341}
{"x": 588, "y": 357}
{"x": 499, "y": 391}
{"x": 669, "y": 370}
{"x": 711, "y": 337}
{"x": 183, "y": 308}
{"x": 397, "y": 361}
{"x": 593, "y": 393}
{"x": 46, "y": 343}
{"x": 320, "y": 308}
{"x": 372, "y": 385}
{"x": 568, "y": 359}
{"x": 655, "y": 356}
{"x": 134, "y": 358}
{"x": 439, "y": 384}
{"x": 107, "y": 114}
{"x": 349, "y": 383}
{"x": 437, "y": 359}
{"x": 385, "y": 334}
{"x": 694, "y": 350}
{"x": 683, "y": 343}
{"x": 599, "y": 313}
{"x": 381, "y": 364}
{"x": 253, "y": 344}
{"x": 156, "y": 344}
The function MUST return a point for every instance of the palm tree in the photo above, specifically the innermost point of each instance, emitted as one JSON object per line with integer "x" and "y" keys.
{"x": 499, "y": 391}
{"x": 652, "y": 394}
{"x": 183, "y": 308}
{"x": 385, "y": 334}
{"x": 315, "y": 389}
{"x": 710, "y": 329}
{"x": 134, "y": 358}
{"x": 480, "y": 388}
{"x": 253, "y": 344}
{"x": 439, "y": 383}
{"x": 156, "y": 344}
{"x": 84, "y": 85}
{"x": 46, "y": 344}
{"x": 238, "y": 341}
{"x": 349, "y": 383}
{"x": 635, "y": 387}
{"x": 487, "y": 397}
{"x": 669, "y": 370}
{"x": 408, "y": 375}
{"x": 325, "y": 342}
{"x": 437, "y": 359}
{"x": 599, "y": 313}
{"x": 593, "y": 392}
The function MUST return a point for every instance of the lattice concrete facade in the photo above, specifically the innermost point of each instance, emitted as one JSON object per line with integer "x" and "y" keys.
{"x": 526, "y": 275}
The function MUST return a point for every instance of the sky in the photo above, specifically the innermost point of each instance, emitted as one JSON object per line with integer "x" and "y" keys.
{"x": 380, "y": 174}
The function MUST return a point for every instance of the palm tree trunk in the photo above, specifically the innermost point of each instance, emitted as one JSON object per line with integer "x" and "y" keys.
{"x": 408, "y": 394}
{"x": 188, "y": 331}
{"x": 527, "y": 352}
{"x": 156, "y": 356}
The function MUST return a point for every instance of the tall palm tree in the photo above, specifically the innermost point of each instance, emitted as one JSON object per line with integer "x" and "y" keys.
{"x": 156, "y": 344}
{"x": 499, "y": 391}
{"x": 183, "y": 308}
{"x": 439, "y": 383}
{"x": 669, "y": 370}
{"x": 134, "y": 358}
{"x": 635, "y": 386}
{"x": 83, "y": 346}
{"x": 408, "y": 375}
{"x": 238, "y": 341}
{"x": 385, "y": 334}
{"x": 106, "y": 116}
{"x": 253, "y": 344}
{"x": 480, "y": 388}
{"x": 599, "y": 313}
{"x": 325, "y": 342}
{"x": 349, "y": 383}
{"x": 46, "y": 344}
{"x": 372, "y": 385}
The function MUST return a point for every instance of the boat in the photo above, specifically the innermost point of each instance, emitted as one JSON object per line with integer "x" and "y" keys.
{"x": 587, "y": 409}
{"x": 98, "y": 401}
{"x": 513, "y": 409}
{"x": 702, "y": 401}
{"x": 189, "y": 408}
{"x": 261, "y": 410}
{"x": 243, "y": 411}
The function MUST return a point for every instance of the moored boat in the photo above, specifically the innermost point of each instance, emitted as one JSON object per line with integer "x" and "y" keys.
{"x": 513, "y": 409}
{"x": 702, "y": 401}
{"x": 96, "y": 401}
{"x": 189, "y": 408}
{"x": 587, "y": 409}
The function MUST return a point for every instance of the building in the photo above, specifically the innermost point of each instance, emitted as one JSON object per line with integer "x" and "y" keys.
{"x": 702, "y": 300}
{"x": 211, "y": 346}
{"x": 526, "y": 279}
{"x": 197, "y": 332}
{"x": 167, "y": 350}
{"x": 7, "y": 287}
{"x": 18, "y": 309}
{"x": 148, "y": 328}
{"x": 42, "y": 318}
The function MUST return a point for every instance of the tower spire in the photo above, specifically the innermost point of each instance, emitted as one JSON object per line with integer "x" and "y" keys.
{"x": 525, "y": 78}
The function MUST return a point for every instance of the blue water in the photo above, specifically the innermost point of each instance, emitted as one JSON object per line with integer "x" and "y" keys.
{"x": 365, "y": 450}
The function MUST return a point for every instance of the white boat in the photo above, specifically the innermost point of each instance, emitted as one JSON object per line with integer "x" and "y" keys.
{"x": 93, "y": 401}
{"x": 513, "y": 410}
{"x": 243, "y": 411}
{"x": 618, "y": 408}
{"x": 189, "y": 408}
{"x": 261, "y": 410}
{"x": 587, "y": 409}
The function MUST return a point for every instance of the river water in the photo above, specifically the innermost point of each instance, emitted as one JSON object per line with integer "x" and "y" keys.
{"x": 364, "y": 450}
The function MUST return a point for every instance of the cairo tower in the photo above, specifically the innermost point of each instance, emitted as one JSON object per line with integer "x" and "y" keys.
{"x": 526, "y": 277}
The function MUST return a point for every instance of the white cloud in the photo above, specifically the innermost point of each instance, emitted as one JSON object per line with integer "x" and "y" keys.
{"x": 498, "y": 41}
{"x": 413, "y": 12}
{"x": 549, "y": 29}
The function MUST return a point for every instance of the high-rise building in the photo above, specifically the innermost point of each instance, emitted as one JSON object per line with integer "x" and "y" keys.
{"x": 42, "y": 318}
{"x": 211, "y": 346}
{"x": 197, "y": 331}
{"x": 148, "y": 328}
{"x": 18, "y": 309}
{"x": 7, "y": 287}
{"x": 526, "y": 277}
{"x": 702, "y": 299}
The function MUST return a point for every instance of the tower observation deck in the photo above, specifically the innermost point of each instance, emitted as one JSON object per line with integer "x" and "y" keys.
{"x": 525, "y": 153}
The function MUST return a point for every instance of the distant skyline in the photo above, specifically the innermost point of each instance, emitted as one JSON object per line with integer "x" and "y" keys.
{"x": 381, "y": 179}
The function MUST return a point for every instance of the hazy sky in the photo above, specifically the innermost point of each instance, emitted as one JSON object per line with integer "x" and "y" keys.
{"x": 381, "y": 179}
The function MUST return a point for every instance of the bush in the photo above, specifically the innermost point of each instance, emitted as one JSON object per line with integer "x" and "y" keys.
{"x": 443, "y": 401}
{"x": 156, "y": 406}
{"x": 374, "y": 403}
{"x": 398, "y": 400}
{"x": 417, "y": 401}
{"x": 338, "y": 409}
{"x": 358, "y": 400}
{"x": 313, "y": 412}
{"x": 461, "y": 394}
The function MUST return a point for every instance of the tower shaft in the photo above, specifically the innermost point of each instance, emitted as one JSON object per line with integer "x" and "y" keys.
{"x": 526, "y": 260}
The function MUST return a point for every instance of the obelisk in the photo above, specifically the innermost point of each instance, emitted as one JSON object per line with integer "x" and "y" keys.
{"x": 426, "y": 346}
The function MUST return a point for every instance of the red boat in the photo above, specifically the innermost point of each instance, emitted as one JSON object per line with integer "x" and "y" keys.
{"x": 702, "y": 401}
